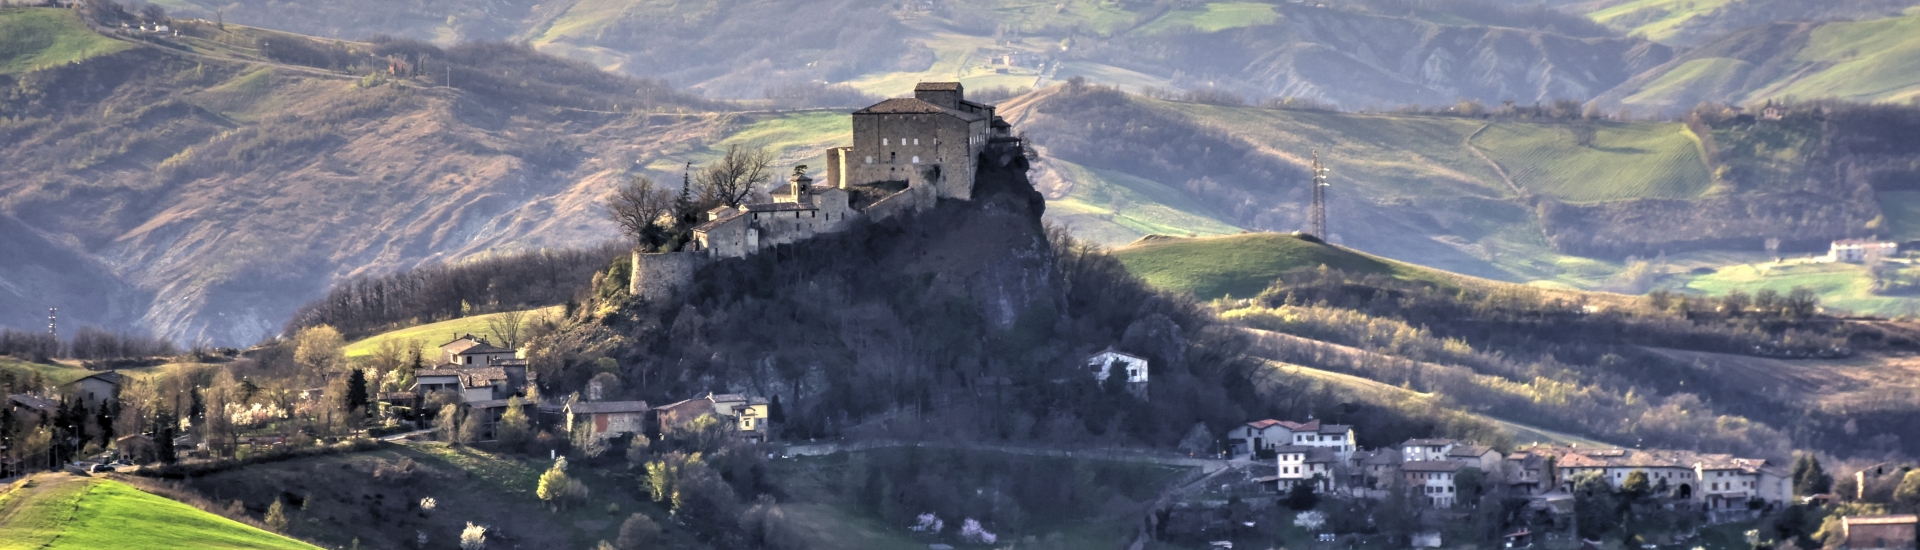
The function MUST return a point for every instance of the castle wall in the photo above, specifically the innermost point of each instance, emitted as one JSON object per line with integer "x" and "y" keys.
{"x": 886, "y": 145}
{"x": 658, "y": 276}
{"x": 732, "y": 238}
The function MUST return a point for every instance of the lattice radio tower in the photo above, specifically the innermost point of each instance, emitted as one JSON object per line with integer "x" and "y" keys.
{"x": 1317, "y": 218}
{"x": 53, "y": 321}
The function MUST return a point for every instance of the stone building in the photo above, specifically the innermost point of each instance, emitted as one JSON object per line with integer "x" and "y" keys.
{"x": 907, "y": 154}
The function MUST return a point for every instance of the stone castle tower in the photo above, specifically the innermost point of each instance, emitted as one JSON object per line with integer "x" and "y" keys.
{"x": 907, "y": 153}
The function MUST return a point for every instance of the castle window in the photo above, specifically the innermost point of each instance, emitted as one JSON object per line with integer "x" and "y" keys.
{"x": 916, "y": 141}
{"x": 883, "y": 141}
{"x": 869, "y": 159}
{"x": 916, "y": 159}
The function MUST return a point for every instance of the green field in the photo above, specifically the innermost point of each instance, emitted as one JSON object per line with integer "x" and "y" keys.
{"x": 1842, "y": 287}
{"x": 53, "y": 511}
{"x": 1212, "y": 17}
{"x": 1694, "y": 78}
{"x": 1658, "y": 20}
{"x": 1115, "y": 208}
{"x": 434, "y": 334}
{"x": 1877, "y": 60}
{"x": 1626, "y": 161}
{"x": 34, "y": 38}
{"x": 1245, "y": 264}
{"x": 54, "y": 374}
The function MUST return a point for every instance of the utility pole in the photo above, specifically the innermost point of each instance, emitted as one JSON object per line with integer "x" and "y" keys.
{"x": 1317, "y": 217}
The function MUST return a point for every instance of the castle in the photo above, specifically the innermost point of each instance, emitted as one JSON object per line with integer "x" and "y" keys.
{"x": 907, "y": 154}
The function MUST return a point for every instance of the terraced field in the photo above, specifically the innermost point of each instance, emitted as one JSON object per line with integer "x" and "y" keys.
{"x": 1842, "y": 287}
{"x": 1625, "y": 161}
{"x": 33, "y": 38}
{"x": 1658, "y": 20}
{"x": 1876, "y": 60}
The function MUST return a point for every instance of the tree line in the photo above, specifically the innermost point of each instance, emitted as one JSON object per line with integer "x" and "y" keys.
{"x": 368, "y": 305}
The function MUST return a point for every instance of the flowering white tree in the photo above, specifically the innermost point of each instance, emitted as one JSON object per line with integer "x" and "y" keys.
{"x": 429, "y": 504}
{"x": 1310, "y": 520}
{"x": 929, "y": 523}
{"x": 970, "y": 531}
{"x": 473, "y": 538}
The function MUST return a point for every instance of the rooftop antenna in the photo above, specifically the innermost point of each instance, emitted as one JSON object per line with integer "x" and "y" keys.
{"x": 1317, "y": 217}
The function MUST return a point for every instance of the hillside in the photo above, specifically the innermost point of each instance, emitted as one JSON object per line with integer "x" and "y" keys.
{"x": 1354, "y": 54}
{"x": 206, "y": 197}
{"x": 1694, "y": 22}
{"x": 58, "y": 510}
{"x": 32, "y": 39}
{"x": 1243, "y": 265}
{"x": 1871, "y": 61}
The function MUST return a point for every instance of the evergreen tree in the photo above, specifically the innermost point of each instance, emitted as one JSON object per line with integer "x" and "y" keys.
{"x": 1809, "y": 478}
{"x": 164, "y": 425}
{"x": 356, "y": 391}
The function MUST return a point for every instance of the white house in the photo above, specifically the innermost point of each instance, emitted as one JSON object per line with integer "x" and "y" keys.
{"x": 1338, "y": 437}
{"x": 1259, "y": 435}
{"x": 1302, "y": 464}
{"x": 1422, "y": 450}
{"x": 1860, "y": 250}
{"x": 468, "y": 350}
{"x": 1102, "y": 364}
{"x": 1433, "y": 480}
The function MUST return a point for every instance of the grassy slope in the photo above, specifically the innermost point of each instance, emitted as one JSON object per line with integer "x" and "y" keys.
{"x": 55, "y": 374}
{"x": 1673, "y": 14}
{"x": 1841, "y": 286}
{"x": 1876, "y": 60}
{"x": 1370, "y": 390}
{"x": 1114, "y": 207}
{"x": 1626, "y": 161}
{"x": 434, "y": 334}
{"x": 64, "y": 511}
{"x": 31, "y": 38}
{"x": 1212, "y": 17}
{"x": 1243, "y": 265}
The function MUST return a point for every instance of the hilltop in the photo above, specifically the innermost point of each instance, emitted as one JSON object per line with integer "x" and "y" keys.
{"x": 1244, "y": 265}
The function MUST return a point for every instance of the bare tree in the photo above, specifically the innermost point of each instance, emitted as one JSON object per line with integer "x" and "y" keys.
{"x": 153, "y": 13}
{"x": 735, "y": 176}
{"x": 507, "y": 326}
{"x": 637, "y": 206}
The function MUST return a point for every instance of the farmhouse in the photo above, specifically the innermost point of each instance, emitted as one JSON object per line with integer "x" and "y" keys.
{"x": 1878, "y": 532}
{"x": 1420, "y": 450}
{"x": 1860, "y": 250}
{"x": 468, "y": 350}
{"x": 475, "y": 371}
{"x": 605, "y": 419}
{"x": 1338, "y": 437}
{"x": 749, "y": 416}
{"x": 97, "y": 387}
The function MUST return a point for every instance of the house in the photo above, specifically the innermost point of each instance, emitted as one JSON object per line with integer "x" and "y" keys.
{"x": 1300, "y": 464}
{"x": 1878, "y": 532}
{"x": 800, "y": 210}
{"x": 748, "y": 415}
{"x": 476, "y": 383}
{"x": 1528, "y": 473}
{"x": 1102, "y": 365}
{"x": 1433, "y": 480}
{"x": 29, "y": 409}
{"x": 605, "y": 419}
{"x": 1313, "y": 433}
{"x": 1421, "y": 450}
{"x": 97, "y": 387}
{"x": 1860, "y": 250}
{"x": 1478, "y": 456}
{"x": 468, "y": 351}
{"x": 1377, "y": 466}
{"x": 136, "y": 449}
{"x": 1260, "y": 435}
